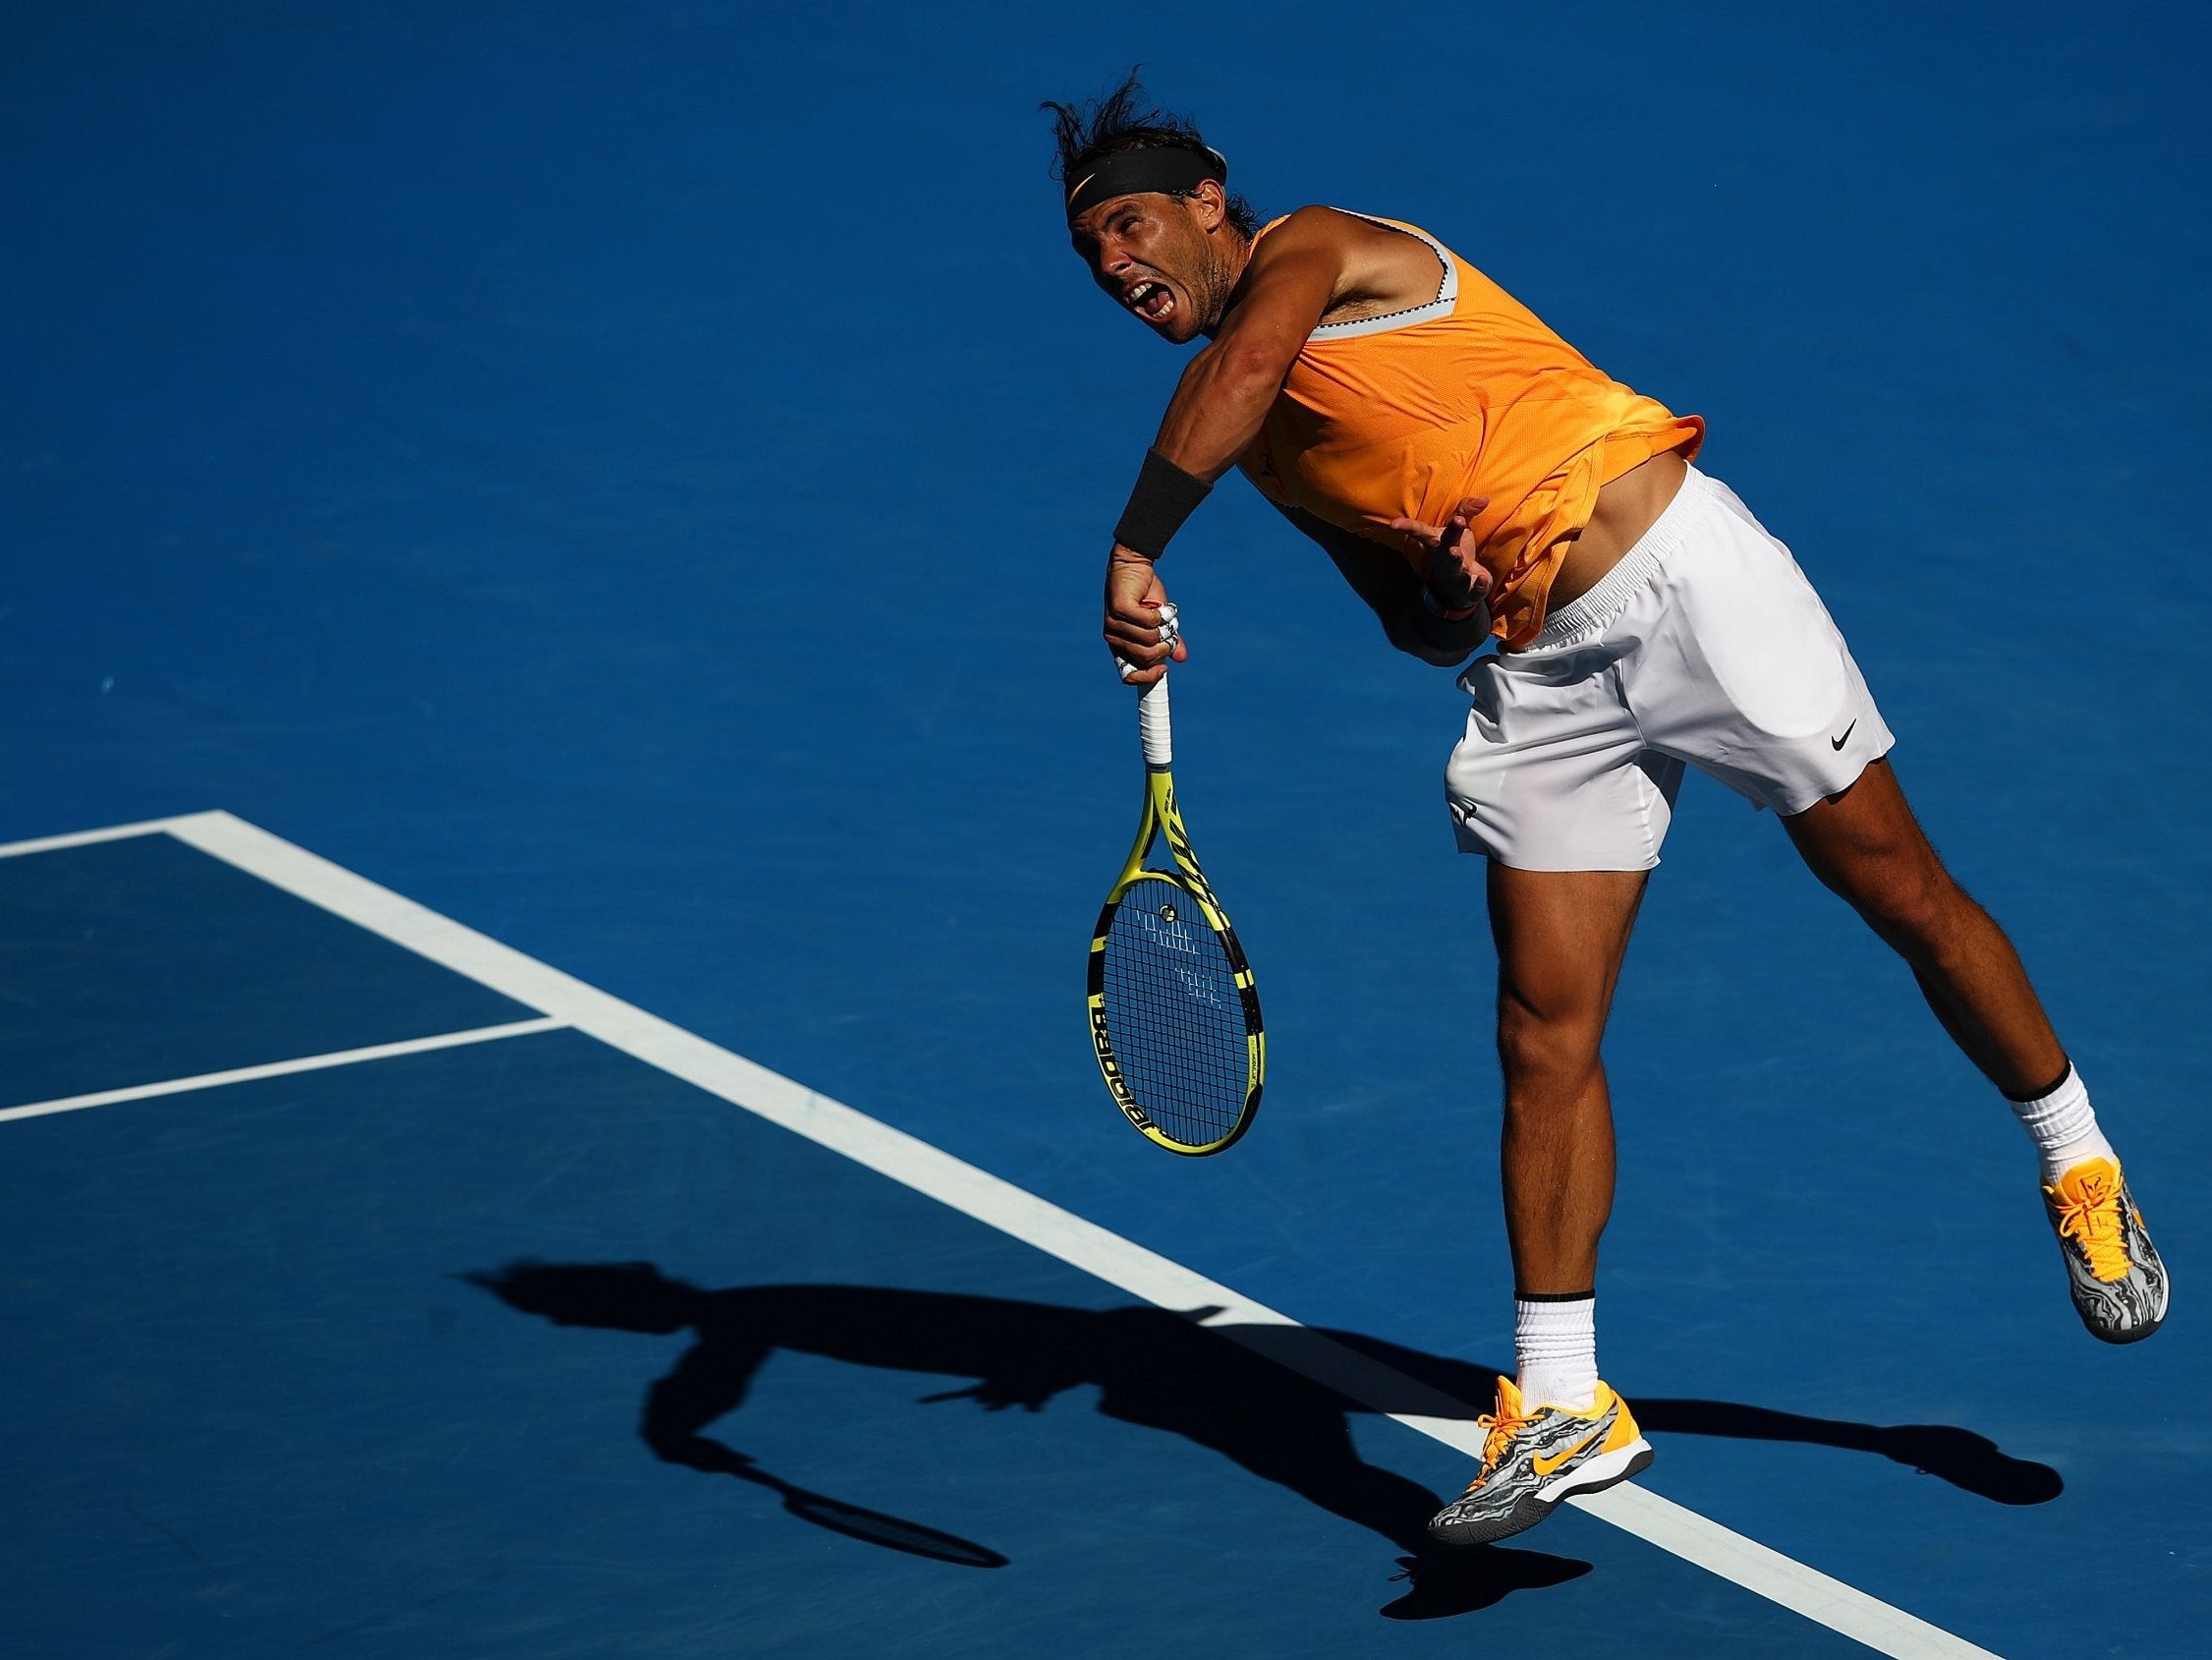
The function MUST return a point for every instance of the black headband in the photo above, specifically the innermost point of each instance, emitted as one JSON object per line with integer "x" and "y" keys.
{"x": 1168, "y": 169}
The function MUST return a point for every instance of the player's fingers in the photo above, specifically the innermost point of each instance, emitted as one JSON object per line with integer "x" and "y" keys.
{"x": 1146, "y": 641}
{"x": 1133, "y": 675}
{"x": 1135, "y": 610}
{"x": 1133, "y": 638}
{"x": 1140, "y": 666}
{"x": 1415, "y": 527}
{"x": 1452, "y": 564}
{"x": 1451, "y": 580}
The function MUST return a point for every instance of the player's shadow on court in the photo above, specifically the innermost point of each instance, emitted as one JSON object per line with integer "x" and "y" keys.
{"x": 1273, "y": 1399}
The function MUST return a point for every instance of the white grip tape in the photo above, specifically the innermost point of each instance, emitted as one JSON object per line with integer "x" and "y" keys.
{"x": 1152, "y": 706}
{"x": 1152, "y": 724}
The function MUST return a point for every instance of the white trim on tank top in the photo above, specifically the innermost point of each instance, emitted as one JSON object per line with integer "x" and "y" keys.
{"x": 1447, "y": 291}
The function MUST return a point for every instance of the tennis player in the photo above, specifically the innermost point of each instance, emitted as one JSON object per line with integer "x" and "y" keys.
{"x": 1474, "y": 478}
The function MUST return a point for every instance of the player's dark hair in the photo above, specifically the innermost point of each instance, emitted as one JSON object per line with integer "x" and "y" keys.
{"x": 1127, "y": 119}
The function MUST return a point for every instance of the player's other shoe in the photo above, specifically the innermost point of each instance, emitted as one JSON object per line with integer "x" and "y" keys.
{"x": 2119, "y": 1284}
{"x": 1532, "y": 1459}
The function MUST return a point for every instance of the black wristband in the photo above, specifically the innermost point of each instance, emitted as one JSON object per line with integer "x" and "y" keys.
{"x": 1163, "y": 498}
{"x": 1462, "y": 635}
{"x": 1437, "y": 608}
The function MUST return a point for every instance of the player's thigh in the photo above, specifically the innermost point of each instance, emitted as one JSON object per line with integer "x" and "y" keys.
{"x": 1866, "y": 848}
{"x": 1743, "y": 674}
{"x": 1560, "y": 938}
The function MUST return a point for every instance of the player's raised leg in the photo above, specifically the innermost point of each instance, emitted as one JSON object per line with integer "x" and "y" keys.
{"x": 1556, "y": 1429}
{"x": 1866, "y": 846}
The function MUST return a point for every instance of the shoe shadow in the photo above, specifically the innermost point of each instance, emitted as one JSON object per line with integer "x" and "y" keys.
{"x": 1442, "y": 1583}
{"x": 1276, "y": 1401}
{"x": 1970, "y": 1462}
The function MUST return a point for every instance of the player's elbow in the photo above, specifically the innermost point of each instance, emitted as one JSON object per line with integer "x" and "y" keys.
{"x": 1246, "y": 371}
{"x": 1257, "y": 374}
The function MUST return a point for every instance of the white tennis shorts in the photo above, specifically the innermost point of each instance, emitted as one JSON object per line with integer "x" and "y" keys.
{"x": 1705, "y": 645}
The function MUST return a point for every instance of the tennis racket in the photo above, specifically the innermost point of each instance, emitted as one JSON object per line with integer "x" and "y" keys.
{"x": 1174, "y": 1017}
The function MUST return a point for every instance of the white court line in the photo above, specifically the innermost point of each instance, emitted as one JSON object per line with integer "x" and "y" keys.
{"x": 283, "y": 1069}
{"x": 1024, "y": 1217}
{"x": 84, "y": 838}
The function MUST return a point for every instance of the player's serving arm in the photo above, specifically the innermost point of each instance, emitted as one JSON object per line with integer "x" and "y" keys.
{"x": 1475, "y": 477}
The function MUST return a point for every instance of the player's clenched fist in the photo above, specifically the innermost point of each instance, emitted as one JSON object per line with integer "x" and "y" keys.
{"x": 1133, "y": 597}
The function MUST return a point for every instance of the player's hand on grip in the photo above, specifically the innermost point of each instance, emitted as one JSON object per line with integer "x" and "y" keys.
{"x": 1133, "y": 597}
{"x": 1455, "y": 577}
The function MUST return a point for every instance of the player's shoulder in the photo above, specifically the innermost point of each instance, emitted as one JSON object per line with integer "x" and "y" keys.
{"x": 1350, "y": 237}
{"x": 1317, "y": 222}
{"x": 1315, "y": 235}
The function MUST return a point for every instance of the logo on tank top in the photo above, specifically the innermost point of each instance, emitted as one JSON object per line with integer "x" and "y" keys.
{"x": 1261, "y": 469}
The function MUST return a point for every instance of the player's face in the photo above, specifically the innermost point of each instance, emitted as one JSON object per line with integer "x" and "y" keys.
{"x": 1151, "y": 256}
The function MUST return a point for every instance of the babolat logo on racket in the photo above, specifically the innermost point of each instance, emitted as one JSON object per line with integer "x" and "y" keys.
{"x": 1124, "y": 1097}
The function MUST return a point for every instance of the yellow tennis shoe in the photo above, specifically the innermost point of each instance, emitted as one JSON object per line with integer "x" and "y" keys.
{"x": 1533, "y": 1460}
{"x": 2119, "y": 1284}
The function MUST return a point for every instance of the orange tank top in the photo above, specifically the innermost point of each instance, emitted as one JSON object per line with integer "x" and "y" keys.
{"x": 1468, "y": 394}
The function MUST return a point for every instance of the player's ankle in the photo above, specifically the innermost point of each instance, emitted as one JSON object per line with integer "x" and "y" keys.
{"x": 1556, "y": 1347}
{"x": 2062, "y": 1124}
{"x": 2056, "y": 1161}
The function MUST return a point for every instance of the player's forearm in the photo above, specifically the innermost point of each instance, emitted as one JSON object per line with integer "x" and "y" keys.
{"x": 1393, "y": 595}
{"x": 1391, "y": 590}
{"x": 1417, "y": 631}
{"x": 1212, "y": 420}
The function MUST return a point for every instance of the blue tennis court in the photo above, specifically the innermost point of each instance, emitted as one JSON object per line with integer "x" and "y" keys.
{"x": 559, "y": 770}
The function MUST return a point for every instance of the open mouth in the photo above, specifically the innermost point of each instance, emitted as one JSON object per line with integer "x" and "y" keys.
{"x": 1155, "y": 301}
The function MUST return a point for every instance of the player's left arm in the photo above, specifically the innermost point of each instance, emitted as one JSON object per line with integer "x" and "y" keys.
{"x": 1380, "y": 577}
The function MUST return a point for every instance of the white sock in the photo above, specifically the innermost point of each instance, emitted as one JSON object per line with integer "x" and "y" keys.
{"x": 1555, "y": 1346}
{"x": 2064, "y": 1126}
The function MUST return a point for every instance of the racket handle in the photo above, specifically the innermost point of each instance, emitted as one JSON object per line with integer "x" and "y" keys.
{"x": 1152, "y": 725}
{"x": 1152, "y": 706}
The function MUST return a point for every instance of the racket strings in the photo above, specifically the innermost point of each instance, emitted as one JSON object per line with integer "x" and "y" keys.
{"x": 1174, "y": 1015}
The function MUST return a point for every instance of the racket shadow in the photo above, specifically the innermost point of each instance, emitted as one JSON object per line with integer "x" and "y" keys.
{"x": 874, "y": 1527}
